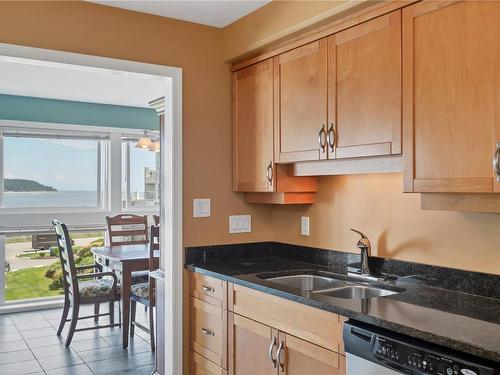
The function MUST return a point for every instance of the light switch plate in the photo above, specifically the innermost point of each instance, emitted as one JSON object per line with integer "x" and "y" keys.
{"x": 201, "y": 207}
{"x": 304, "y": 225}
{"x": 240, "y": 223}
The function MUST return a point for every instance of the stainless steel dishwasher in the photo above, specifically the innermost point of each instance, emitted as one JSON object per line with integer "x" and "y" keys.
{"x": 374, "y": 351}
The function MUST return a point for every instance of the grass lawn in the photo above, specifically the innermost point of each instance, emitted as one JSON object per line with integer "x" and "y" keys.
{"x": 28, "y": 283}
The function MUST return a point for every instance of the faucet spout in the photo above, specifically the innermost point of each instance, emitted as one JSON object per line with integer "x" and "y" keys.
{"x": 366, "y": 251}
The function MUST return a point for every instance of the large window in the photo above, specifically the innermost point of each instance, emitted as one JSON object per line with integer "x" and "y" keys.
{"x": 52, "y": 170}
{"x": 140, "y": 176}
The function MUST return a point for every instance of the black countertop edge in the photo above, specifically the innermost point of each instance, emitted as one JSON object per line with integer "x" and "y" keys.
{"x": 487, "y": 353}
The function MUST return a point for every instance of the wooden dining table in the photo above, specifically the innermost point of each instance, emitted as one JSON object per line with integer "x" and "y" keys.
{"x": 123, "y": 260}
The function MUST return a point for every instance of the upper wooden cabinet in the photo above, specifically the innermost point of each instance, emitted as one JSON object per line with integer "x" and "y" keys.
{"x": 254, "y": 168}
{"x": 364, "y": 89}
{"x": 253, "y": 128}
{"x": 300, "y": 94}
{"x": 451, "y": 94}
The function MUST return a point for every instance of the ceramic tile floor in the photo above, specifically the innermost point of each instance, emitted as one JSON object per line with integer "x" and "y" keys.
{"x": 29, "y": 345}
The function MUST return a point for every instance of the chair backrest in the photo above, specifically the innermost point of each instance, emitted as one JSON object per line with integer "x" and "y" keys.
{"x": 67, "y": 259}
{"x": 127, "y": 229}
{"x": 154, "y": 246}
{"x": 156, "y": 219}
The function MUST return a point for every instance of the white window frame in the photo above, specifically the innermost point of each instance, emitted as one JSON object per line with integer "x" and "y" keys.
{"x": 53, "y": 132}
{"x": 131, "y": 138}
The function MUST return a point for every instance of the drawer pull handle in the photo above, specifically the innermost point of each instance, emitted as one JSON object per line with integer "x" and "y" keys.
{"x": 207, "y": 332}
{"x": 271, "y": 347}
{"x": 207, "y": 288}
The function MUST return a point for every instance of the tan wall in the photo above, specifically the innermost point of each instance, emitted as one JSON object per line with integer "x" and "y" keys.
{"x": 276, "y": 20}
{"x": 394, "y": 222}
{"x": 105, "y": 31}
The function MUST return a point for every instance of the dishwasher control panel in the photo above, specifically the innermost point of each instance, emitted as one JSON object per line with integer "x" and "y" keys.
{"x": 375, "y": 350}
{"x": 421, "y": 361}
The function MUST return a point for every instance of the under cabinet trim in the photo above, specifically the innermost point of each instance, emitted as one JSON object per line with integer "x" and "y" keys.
{"x": 376, "y": 164}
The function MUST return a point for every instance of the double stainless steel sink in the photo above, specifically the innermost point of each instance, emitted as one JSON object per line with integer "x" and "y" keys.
{"x": 337, "y": 287}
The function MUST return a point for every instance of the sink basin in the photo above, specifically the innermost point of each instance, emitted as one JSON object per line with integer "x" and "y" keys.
{"x": 357, "y": 292}
{"x": 308, "y": 282}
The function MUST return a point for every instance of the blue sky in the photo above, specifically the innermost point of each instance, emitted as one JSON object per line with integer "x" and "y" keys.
{"x": 64, "y": 164}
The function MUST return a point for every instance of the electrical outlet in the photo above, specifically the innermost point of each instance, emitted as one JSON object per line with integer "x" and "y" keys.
{"x": 201, "y": 207}
{"x": 240, "y": 223}
{"x": 304, "y": 225}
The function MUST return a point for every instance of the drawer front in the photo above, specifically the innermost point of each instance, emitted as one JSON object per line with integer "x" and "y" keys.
{"x": 316, "y": 326}
{"x": 208, "y": 289}
{"x": 208, "y": 331}
{"x": 199, "y": 365}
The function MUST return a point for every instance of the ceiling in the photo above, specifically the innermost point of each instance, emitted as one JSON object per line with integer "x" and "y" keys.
{"x": 71, "y": 82}
{"x": 207, "y": 12}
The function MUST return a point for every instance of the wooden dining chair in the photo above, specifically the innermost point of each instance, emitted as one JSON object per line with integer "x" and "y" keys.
{"x": 156, "y": 219}
{"x": 145, "y": 292}
{"x": 128, "y": 229}
{"x": 83, "y": 288}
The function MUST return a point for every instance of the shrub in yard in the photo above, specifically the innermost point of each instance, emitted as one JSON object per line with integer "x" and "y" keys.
{"x": 83, "y": 255}
{"x": 53, "y": 268}
{"x": 54, "y": 251}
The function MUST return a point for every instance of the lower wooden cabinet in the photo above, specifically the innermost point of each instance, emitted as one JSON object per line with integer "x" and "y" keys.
{"x": 257, "y": 349}
{"x": 249, "y": 348}
{"x": 301, "y": 357}
{"x": 199, "y": 365}
{"x": 246, "y": 332}
{"x": 208, "y": 331}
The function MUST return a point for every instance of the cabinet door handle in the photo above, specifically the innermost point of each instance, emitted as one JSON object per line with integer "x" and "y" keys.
{"x": 331, "y": 137}
{"x": 321, "y": 139}
{"x": 271, "y": 347}
{"x": 207, "y": 332}
{"x": 278, "y": 356}
{"x": 269, "y": 173}
{"x": 496, "y": 162}
{"x": 207, "y": 288}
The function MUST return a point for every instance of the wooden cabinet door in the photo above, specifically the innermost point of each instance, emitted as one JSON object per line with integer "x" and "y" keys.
{"x": 364, "y": 89}
{"x": 253, "y": 128}
{"x": 451, "y": 96}
{"x": 249, "y": 346}
{"x": 300, "y": 357}
{"x": 300, "y": 94}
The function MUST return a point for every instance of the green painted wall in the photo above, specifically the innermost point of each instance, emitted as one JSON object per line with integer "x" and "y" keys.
{"x": 24, "y": 108}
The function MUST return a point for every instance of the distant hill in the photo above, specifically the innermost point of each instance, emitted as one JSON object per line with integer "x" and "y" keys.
{"x": 15, "y": 184}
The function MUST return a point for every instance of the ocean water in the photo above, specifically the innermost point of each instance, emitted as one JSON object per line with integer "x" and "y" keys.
{"x": 50, "y": 199}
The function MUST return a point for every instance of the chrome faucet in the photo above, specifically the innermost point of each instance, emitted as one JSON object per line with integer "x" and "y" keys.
{"x": 366, "y": 251}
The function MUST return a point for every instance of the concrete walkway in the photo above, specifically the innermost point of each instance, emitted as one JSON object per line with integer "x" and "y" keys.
{"x": 12, "y": 249}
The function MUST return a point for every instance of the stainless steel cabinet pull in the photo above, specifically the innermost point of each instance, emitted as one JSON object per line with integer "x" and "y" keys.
{"x": 496, "y": 162}
{"x": 207, "y": 288}
{"x": 278, "y": 356}
{"x": 321, "y": 139}
{"x": 269, "y": 173}
{"x": 332, "y": 137}
{"x": 207, "y": 332}
{"x": 271, "y": 347}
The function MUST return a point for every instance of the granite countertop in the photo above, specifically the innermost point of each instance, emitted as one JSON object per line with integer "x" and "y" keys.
{"x": 461, "y": 321}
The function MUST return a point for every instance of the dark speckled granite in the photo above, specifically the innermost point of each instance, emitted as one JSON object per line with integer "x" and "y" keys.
{"x": 453, "y": 308}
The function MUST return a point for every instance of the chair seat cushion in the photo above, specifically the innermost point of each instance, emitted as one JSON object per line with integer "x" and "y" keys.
{"x": 96, "y": 288}
{"x": 140, "y": 290}
{"x": 140, "y": 277}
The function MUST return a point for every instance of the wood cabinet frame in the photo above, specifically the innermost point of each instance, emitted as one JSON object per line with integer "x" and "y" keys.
{"x": 466, "y": 184}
